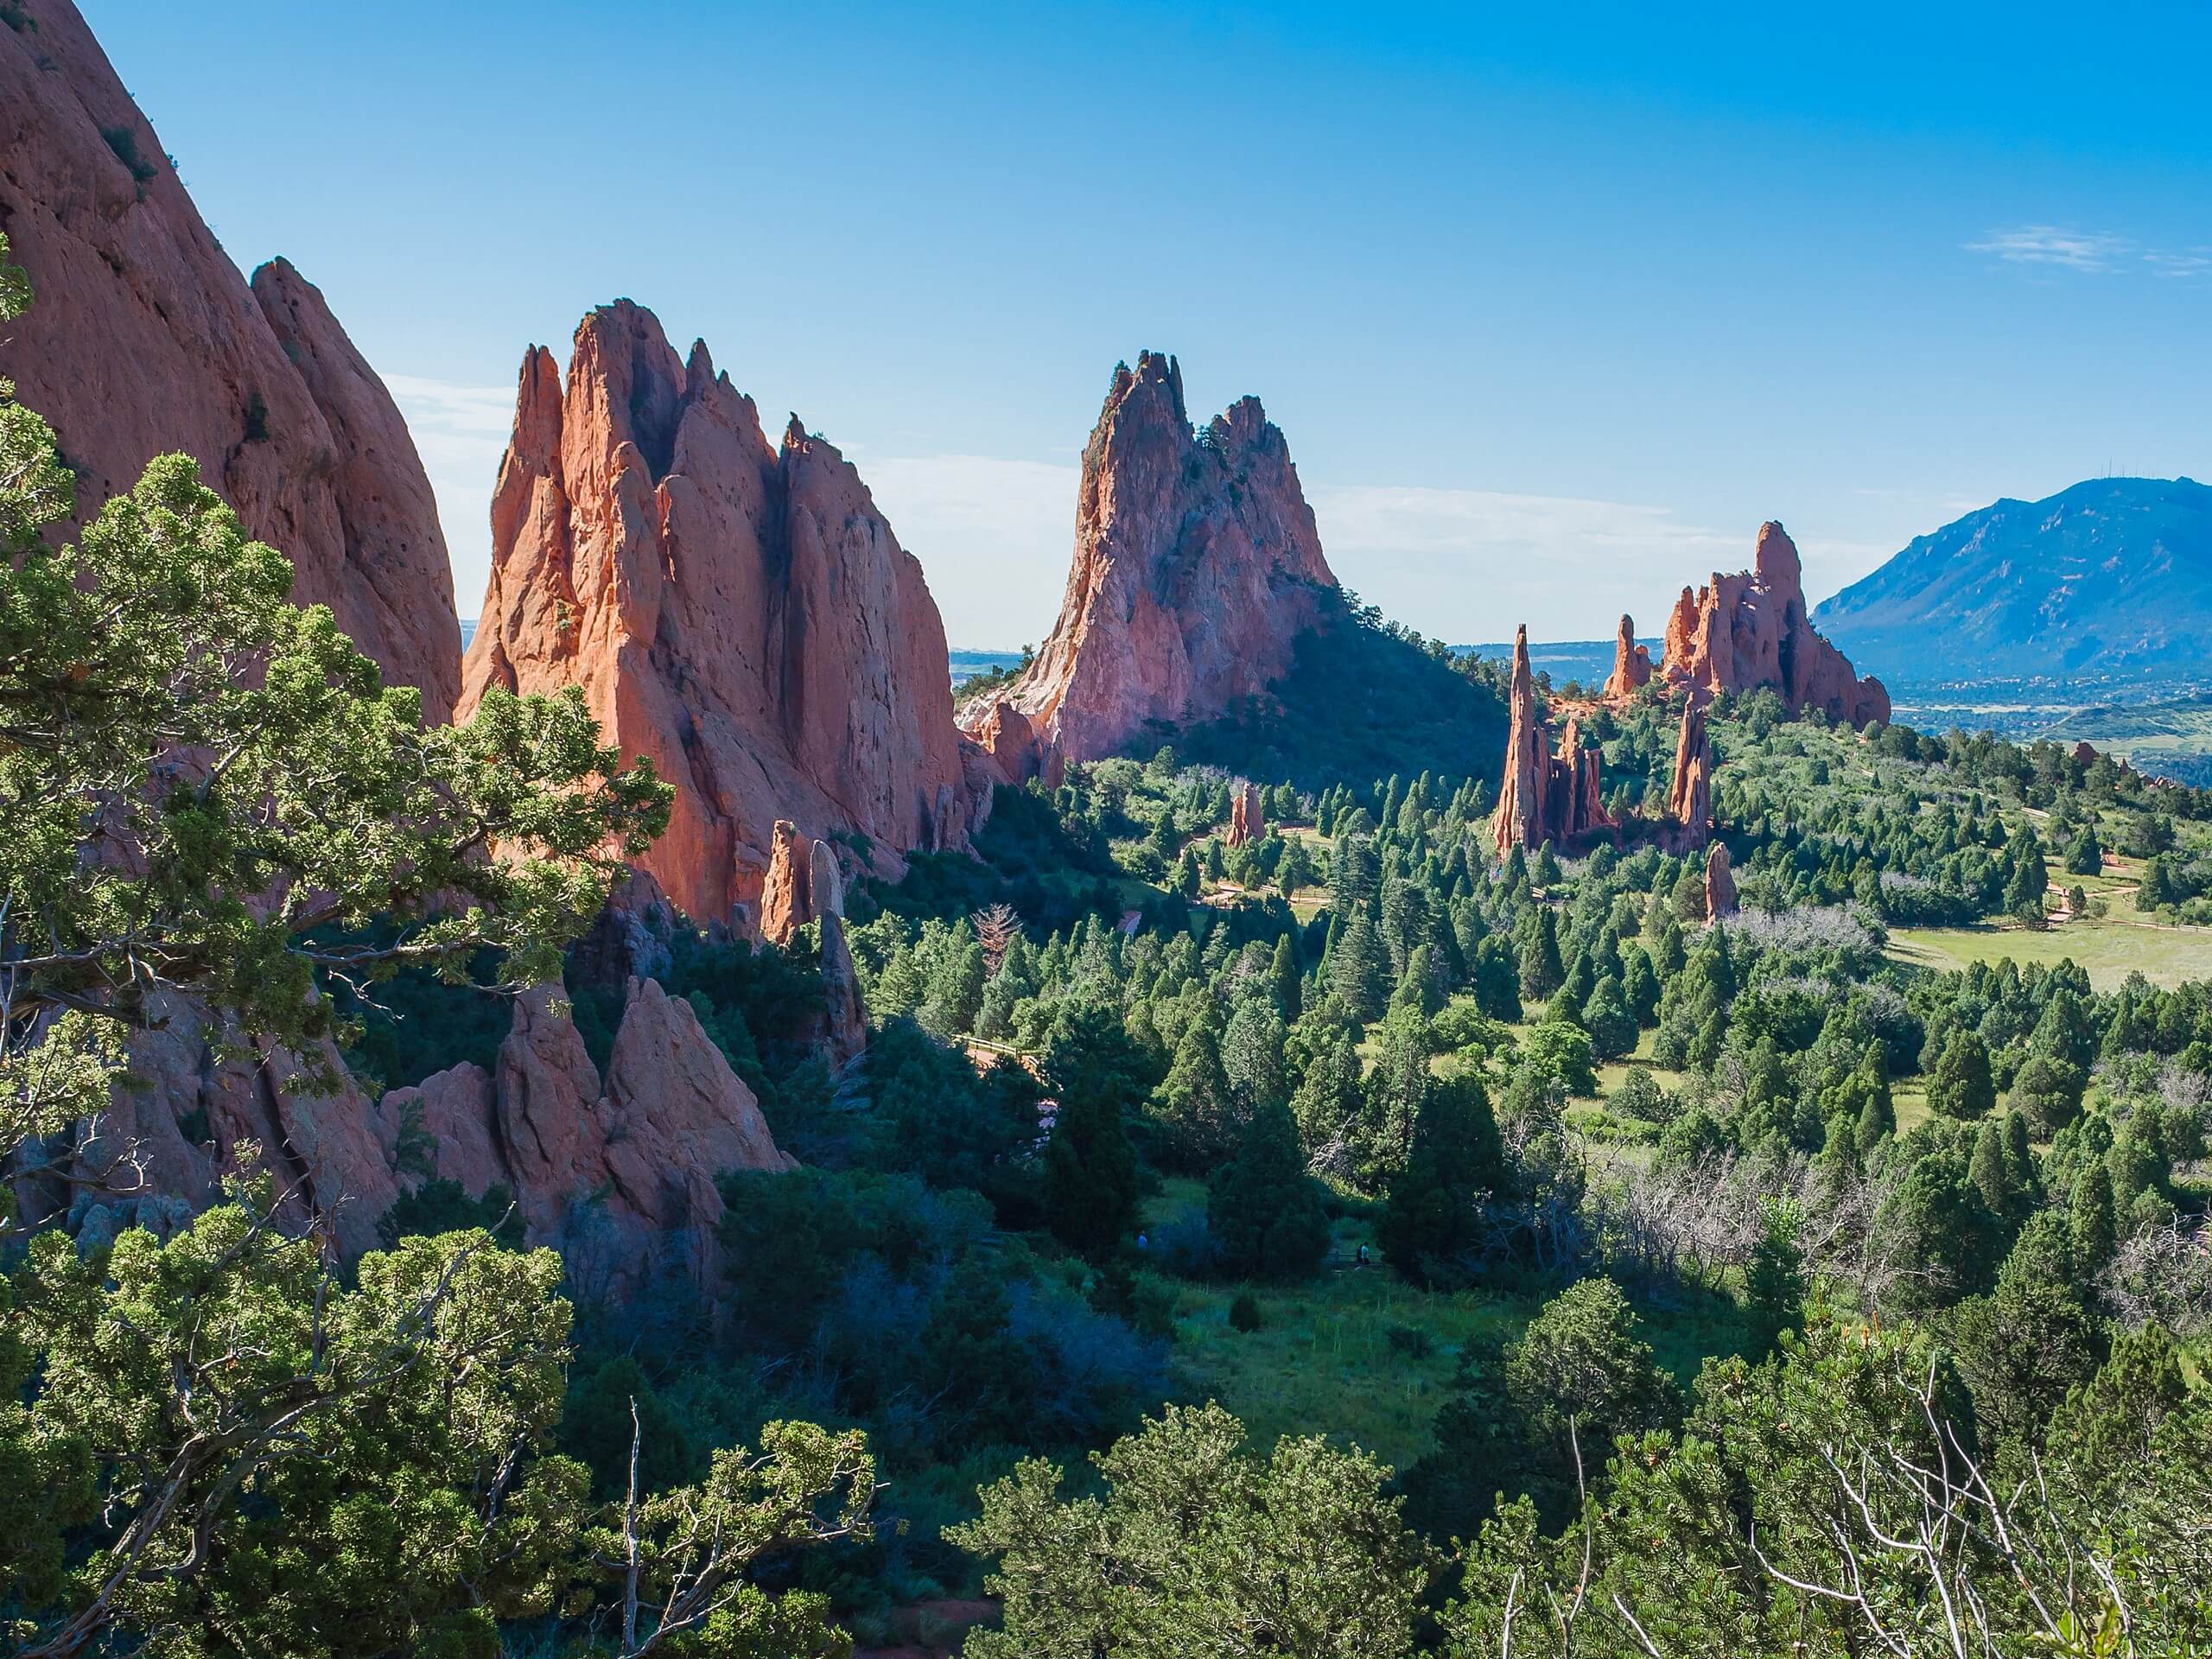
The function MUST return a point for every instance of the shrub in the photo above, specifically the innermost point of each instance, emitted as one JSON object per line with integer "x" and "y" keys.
{"x": 1244, "y": 1313}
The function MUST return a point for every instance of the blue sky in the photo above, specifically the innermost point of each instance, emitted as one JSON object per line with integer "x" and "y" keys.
{"x": 1554, "y": 313}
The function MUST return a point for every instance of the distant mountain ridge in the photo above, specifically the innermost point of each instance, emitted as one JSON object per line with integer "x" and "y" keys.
{"x": 2110, "y": 577}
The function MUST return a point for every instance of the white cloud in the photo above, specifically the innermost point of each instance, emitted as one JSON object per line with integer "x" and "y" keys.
{"x": 2055, "y": 245}
{"x": 994, "y": 536}
{"x": 460, "y": 433}
{"x": 1471, "y": 565}
{"x": 2099, "y": 252}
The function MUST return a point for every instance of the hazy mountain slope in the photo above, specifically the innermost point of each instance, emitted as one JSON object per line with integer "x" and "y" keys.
{"x": 2112, "y": 576}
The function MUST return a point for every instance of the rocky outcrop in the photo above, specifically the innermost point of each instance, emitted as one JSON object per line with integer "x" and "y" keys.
{"x": 737, "y": 611}
{"x": 1749, "y": 630}
{"x": 1544, "y": 796}
{"x": 144, "y": 339}
{"x": 785, "y": 907}
{"x": 847, "y": 1024}
{"x": 1248, "y": 817}
{"x": 1631, "y": 664}
{"x": 1689, "y": 798}
{"x": 1719, "y": 884}
{"x": 1003, "y": 733}
{"x": 1197, "y": 567}
{"x": 622, "y": 1164}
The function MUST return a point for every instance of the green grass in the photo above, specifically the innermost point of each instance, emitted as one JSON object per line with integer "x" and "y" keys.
{"x": 1324, "y": 1355}
{"x": 2108, "y": 948}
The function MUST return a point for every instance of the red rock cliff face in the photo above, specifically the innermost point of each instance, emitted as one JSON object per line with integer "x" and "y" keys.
{"x": 737, "y": 611}
{"x": 1197, "y": 566}
{"x": 144, "y": 339}
{"x": 1748, "y": 630}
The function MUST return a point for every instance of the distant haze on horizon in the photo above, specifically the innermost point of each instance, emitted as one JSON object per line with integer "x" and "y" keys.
{"x": 1553, "y": 318}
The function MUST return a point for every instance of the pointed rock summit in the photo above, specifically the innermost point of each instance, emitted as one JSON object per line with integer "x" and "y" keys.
{"x": 144, "y": 339}
{"x": 1742, "y": 631}
{"x": 1543, "y": 796}
{"x": 1631, "y": 664}
{"x": 737, "y": 610}
{"x": 1197, "y": 566}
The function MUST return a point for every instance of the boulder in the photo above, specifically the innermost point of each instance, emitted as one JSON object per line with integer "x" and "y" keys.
{"x": 145, "y": 339}
{"x": 738, "y": 610}
{"x": 1197, "y": 567}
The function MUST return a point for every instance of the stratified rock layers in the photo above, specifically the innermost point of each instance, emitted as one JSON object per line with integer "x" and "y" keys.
{"x": 1749, "y": 630}
{"x": 1197, "y": 566}
{"x": 144, "y": 341}
{"x": 739, "y": 612}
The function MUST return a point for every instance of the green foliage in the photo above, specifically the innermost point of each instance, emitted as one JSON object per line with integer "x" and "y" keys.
{"x": 1265, "y": 1213}
{"x": 1192, "y": 1538}
{"x": 1960, "y": 1087}
{"x": 1774, "y": 1281}
{"x": 1244, "y": 1313}
{"x": 1434, "y": 1219}
{"x": 1090, "y": 1168}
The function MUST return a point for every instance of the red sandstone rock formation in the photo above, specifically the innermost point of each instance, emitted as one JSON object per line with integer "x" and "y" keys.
{"x": 1197, "y": 566}
{"x": 1631, "y": 664}
{"x": 847, "y": 1034}
{"x": 198, "y": 1096}
{"x": 643, "y": 1146}
{"x": 144, "y": 340}
{"x": 2085, "y": 754}
{"x": 739, "y": 613}
{"x": 1248, "y": 817}
{"x": 1689, "y": 800}
{"x": 1719, "y": 884}
{"x": 1544, "y": 796}
{"x": 784, "y": 905}
{"x": 1742, "y": 631}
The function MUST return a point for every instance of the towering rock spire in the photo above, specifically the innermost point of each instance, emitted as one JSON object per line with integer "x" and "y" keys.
{"x": 739, "y": 612}
{"x": 1689, "y": 800}
{"x": 1197, "y": 566}
{"x": 144, "y": 339}
{"x": 1631, "y": 664}
{"x": 1749, "y": 630}
{"x": 1543, "y": 796}
{"x": 1520, "y": 817}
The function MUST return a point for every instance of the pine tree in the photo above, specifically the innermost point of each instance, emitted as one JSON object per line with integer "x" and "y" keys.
{"x": 1878, "y": 1115}
{"x": 1457, "y": 1160}
{"x": 1774, "y": 1280}
{"x": 1961, "y": 1087}
{"x": 1284, "y": 981}
{"x": 1194, "y": 1103}
{"x": 2084, "y": 857}
{"x": 2095, "y": 1219}
{"x": 1541, "y": 971}
{"x": 1264, "y": 1213}
{"x": 1359, "y": 967}
{"x": 1189, "y": 881}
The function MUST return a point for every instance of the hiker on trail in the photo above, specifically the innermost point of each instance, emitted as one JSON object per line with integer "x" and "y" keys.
{"x": 1362, "y": 1258}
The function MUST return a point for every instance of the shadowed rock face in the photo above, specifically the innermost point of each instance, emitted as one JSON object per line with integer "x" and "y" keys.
{"x": 1197, "y": 566}
{"x": 1689, "y": 798}
{"x": 144, "y": 340}
{"x": 737, "y": 611}
{"x": 1742, "y": 631}
{"x": 642, "y": 1147}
